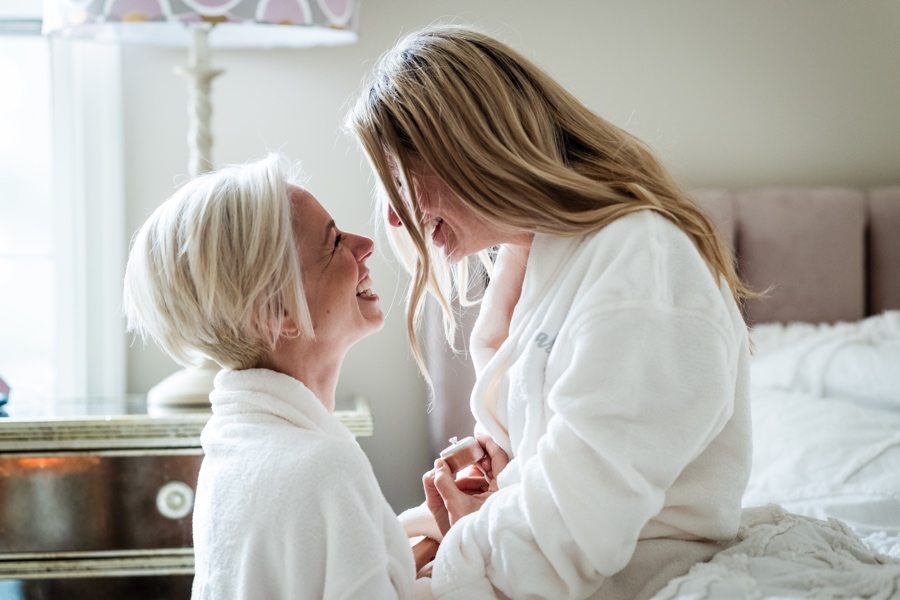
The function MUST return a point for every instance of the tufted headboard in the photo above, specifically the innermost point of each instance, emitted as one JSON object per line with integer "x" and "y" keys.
{"x": 827, "y": 254}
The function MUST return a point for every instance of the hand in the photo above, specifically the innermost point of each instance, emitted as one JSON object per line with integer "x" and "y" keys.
{"x": 469, "y": 490}
{"x": 424, "y": 552}
{"x": 460, "y": 502}
{"x": 435, "y": 503}
{"x": 425, "y": 571}
{"x": 472, "y": 481}
{"x": 455, "y": 498}
{"x": 495, "y": 460}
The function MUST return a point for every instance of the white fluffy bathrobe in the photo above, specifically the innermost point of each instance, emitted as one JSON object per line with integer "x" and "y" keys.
{"x": 621, "y": 395}
{"x": 287, "y": 505}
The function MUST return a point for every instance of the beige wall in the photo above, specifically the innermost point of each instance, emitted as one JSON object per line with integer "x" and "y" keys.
{"x": 729, "y": 92}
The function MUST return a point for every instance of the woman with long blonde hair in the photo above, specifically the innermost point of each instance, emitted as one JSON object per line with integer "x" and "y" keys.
{"x": 610, "y": 351}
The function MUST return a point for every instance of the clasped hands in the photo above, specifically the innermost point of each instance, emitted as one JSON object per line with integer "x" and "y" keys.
{"x": 449, "y": 497}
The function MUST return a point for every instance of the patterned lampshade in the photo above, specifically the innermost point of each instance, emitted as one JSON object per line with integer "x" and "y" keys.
{"x": 238, "y": 23}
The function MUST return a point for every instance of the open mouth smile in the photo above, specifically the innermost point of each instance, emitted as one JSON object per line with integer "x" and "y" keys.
{"x": 364, "y": 289}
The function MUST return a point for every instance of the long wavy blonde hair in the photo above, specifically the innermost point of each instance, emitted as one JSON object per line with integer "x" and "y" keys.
{"x": 522, "y": 153}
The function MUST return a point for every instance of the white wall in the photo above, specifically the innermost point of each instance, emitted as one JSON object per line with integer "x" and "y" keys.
{"x": 729, "y": 92}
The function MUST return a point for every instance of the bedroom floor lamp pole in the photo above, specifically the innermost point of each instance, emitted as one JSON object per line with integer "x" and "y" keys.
{"x": 201, "y": 25}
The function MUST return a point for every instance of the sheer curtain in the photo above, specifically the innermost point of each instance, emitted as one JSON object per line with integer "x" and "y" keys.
{"x": 62, "y": 240}
{"x": 28, "y": 250}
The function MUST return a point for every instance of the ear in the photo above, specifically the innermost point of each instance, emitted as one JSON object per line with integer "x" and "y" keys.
{"x": 289, "y": 328}
{"x": 392, "y": 217}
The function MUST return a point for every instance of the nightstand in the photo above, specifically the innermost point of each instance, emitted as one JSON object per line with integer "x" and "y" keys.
{"x": 98, "y": 503}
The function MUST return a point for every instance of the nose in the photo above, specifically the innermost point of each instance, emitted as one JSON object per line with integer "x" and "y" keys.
{"x": 393, "y": 219}
{"x": 363, "y": 247}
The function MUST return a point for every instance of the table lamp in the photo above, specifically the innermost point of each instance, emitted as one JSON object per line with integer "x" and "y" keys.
{"x": 202, "y": 25}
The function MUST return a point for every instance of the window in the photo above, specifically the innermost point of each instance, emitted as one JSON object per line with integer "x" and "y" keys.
{"x": 62, "y": 239}
{"x": 27, "y": 251}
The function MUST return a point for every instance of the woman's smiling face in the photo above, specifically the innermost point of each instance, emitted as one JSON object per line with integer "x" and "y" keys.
{"x": 448, "y": 222}
{"x": 339, "y": 293}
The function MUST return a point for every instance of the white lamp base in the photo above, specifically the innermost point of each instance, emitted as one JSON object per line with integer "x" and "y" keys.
{"x": 186, "y": 390}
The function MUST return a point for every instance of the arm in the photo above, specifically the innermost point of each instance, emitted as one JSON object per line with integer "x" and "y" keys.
{"x": 418, "y": 521}
{"x": 647, "y": 387}
{"x": 365, "y": 550}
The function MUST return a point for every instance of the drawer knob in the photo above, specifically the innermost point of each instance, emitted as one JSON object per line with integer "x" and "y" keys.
{"x": 175, "y": 500}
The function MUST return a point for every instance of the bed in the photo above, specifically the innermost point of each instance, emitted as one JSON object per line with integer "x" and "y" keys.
{"x": 822, "y": 516}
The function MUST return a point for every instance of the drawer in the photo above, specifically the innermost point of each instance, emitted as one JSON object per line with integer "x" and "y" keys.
{"x": 56, "y": 503}
{"x": 173, "y": 587}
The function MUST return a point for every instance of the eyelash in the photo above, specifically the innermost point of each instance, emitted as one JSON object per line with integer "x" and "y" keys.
{"x": 338, "y": 238}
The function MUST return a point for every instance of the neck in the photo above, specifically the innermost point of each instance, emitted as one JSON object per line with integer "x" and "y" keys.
{"x": 518, "y": 244}
{"x": 316, "y": 367}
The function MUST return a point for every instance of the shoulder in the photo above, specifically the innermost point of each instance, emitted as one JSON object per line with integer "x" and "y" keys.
{"x": 628, "y": 242}
{"x": 331, "y": 463}
{"x": 270, "y": 454}
{"x": 642, "y": 236}
{"x": 643, "y": 260}
{"x": 645, "y": 256}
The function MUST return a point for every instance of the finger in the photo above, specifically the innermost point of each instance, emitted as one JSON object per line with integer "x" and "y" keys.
{"x": 425, "y": 571}
{"x": 435, "y": 502}
{"x": 484, "y": 463}
{"x": 444, "y": 482}
{"x": 484, "y": 466}
{"x": 498, "y": 456}
{"x": 424, "y": 552}
{"x": 472, "y": 484}
{"x": 429, "y": 487}
{"x": 458, "y": 503}
{"x": 473, "y": 470}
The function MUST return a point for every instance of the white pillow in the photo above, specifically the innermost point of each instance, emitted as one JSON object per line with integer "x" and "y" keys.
{"x": 859, "y": 361}
{"x": 826, "y": 457}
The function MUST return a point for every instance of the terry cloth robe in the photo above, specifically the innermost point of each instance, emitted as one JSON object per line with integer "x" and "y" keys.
{"x": 621, "y": 396}
{"x": 287, "y": 504}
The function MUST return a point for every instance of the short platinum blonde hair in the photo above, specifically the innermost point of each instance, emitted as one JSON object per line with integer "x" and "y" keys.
{"x": 521, "y": 152}
{"x": 215, "y": 271}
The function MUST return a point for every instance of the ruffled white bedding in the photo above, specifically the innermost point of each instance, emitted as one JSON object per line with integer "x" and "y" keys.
{"x": 782, "y": 555}
{"x": 826, "y": 457}
{"x": 858, "y": 361}
{"x": 823, "y": 502}
{"x": 884, "y": 543}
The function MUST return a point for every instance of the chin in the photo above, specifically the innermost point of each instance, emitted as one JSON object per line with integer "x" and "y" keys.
{"x": 454, "y": 255}
{"x": 372, "y": 325}
{"x": 376, "y": 326}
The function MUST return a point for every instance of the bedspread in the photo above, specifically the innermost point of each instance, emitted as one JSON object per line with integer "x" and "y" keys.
{"x": 778, "y": 554}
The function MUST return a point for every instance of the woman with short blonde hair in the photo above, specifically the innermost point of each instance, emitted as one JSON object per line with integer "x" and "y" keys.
{"x": 244, "y": 267}
{"x": 610, "y": 351}
{"x": 214, "y": 271}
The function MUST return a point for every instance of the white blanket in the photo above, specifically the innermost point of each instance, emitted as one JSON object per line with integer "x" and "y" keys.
{"x": 826, "y": 457}
{"x": 779, "y": 555}
{"x": 859, "y": 360}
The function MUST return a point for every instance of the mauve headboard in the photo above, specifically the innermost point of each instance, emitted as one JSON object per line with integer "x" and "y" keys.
{"x": 828, "y": 254}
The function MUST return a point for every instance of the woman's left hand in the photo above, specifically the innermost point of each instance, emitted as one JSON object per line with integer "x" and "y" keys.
{"x": 468, "y": 484}
{"x": 462, "y": 496}
{"x": 450, "y": 499}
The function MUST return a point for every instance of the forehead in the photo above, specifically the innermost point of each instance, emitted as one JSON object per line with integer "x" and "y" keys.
{"x": 308, "y": 214}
